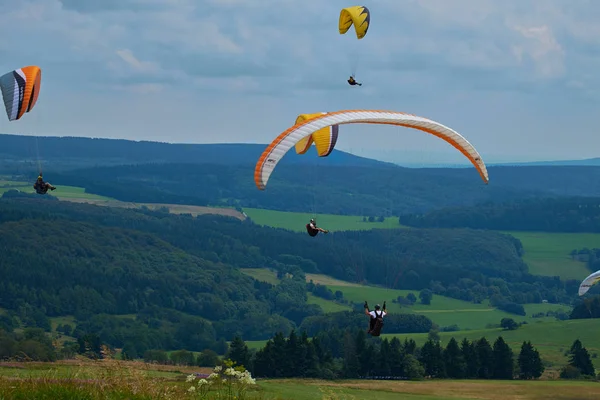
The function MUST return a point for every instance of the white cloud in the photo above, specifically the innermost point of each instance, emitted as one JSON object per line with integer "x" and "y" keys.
{"x": 464, "y": 62}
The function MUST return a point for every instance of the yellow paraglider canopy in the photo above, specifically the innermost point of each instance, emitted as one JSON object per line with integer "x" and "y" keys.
{"x": 357, "y": 15}
{"x": 324, "y": 139}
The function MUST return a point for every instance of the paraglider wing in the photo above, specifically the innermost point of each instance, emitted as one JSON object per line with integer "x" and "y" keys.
{"x": 588, "y": 282}
{"x": 20, "y": 90}
{"x": 280, "y": 146}
{"x": 360, "y": 16}
{"x": 324, "y": 139}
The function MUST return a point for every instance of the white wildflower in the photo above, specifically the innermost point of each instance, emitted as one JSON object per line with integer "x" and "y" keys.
{"x": 192, "y": 389}
{"x": 213, "y": 376}
{"x": 190, "y": 378}
{"x": 218, "y": 368}
{"x": 230, "y": 371}
{"x": 202, "y": 382}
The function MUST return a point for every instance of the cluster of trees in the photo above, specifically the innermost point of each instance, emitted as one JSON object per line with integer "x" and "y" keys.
{"x": 351, "y": 354}
{"x": 561, "y": 214}
{"x": 588, "y": 308}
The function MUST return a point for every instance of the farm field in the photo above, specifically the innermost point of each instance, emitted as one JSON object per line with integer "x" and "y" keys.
{"x": 297, "y": 221}
{"x": 547, "y": 253}
{"x": 444, "y": 311}
{"x": 552, "y": 339}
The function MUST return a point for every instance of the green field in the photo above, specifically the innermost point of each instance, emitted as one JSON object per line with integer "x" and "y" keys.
{"x": 297, "y": 221}
{"x": 79, "y": 379}
{"x": 548, "y": 253}
{"x": 552, "y": 339}
{"x": 62, "y": 192}
{"x": 327, "y": 305}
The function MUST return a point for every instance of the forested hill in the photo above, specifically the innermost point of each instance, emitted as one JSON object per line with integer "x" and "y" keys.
{"x": 61, "y": 152}
{"x": 572, "y": 214}
{"x": 462, "y": 263}
{"x": 323, "y": 188}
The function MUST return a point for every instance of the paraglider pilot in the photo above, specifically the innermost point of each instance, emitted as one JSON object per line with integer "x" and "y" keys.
{"x": 313, "y": 229}
{"x": 376, "y": 319}
{"x": 42, "y": 187}
{"x": 353, "y": 82}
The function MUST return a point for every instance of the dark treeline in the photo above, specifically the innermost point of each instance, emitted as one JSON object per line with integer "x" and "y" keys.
{"x": 464, "y": 264}
{"x": 543, "y": 214}
{"x": 351, "y": 354}
{"x": 350, "y": 190}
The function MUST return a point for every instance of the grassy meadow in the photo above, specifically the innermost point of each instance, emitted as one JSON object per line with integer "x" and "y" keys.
{"x": 296, "y": 221}
{"x": 548, "y": 253}
{"x": 552, "y": 339}
{"x": 110, "y": 379}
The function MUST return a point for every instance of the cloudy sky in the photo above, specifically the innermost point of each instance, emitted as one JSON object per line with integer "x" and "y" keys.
{"x": 518, "y": 78}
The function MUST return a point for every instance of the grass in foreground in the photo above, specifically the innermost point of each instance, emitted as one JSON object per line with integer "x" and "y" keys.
{"x": 430, "y": 390}
{"x": 296, "y": 221}
{"x": 109, "y": 379}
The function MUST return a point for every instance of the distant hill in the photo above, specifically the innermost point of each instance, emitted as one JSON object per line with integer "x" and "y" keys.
{"x": 75, "y": 152}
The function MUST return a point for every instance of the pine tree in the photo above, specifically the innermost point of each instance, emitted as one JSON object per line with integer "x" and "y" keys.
{"x": 454, "y": 360}
{"x": 530, "y": 363}
{"x": 239, "y": 352}
{"x": 432, "y": 359}
{"x": 351, "y": 366}
{"x": 485, "y": 357}
{"x": 580, "y": 359}
{"x": 503, "y": 360}
{"x": 470, "y": 356}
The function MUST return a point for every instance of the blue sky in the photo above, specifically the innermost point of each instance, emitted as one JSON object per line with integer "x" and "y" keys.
{"x": 518, "y": 78}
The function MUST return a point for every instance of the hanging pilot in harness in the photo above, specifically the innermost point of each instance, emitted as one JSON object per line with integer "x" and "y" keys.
{"x": 353, "y": 82}
{"x": 313, "y": 229}
{"x": 376, "y": 319}
{"x": 42, "y": 187}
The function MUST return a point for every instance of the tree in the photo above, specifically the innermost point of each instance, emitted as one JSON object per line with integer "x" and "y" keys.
{"x": 453, "y": 359}
{"x": 433, "y": 335}
{"x": 470, "y": 356}
{"x": 425, "y": 295}
{"x": 411, "y": 297}
{"x": 530, "y": 363}
{"x": 508, "y": 324}
{"x": 503, "y": 360}
{"x": 485, "y": 357}
{"x": 580, "y": 359}
{"x": 208, "y": 358}
{"x": 432, "y": 359}
{"x": 239, "y": 352}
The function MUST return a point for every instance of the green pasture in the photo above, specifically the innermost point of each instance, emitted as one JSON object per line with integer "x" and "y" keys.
{"x": 297, "y": 221}
{"x": 552, "y": 339}
{"x": 62, "y": 192}
{"x": 547, "y": 253}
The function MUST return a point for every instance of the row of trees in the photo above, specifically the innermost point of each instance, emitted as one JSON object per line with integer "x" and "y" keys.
{"x": 563, "y": 214}
{"x": 353, "y": 355}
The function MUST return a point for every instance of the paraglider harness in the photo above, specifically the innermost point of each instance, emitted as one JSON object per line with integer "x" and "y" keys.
{"x": 40, "y": 186}
{"x": 310, "y": 230}
{"x": 353, "y": 82}
{"x": 376, "y": 323}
